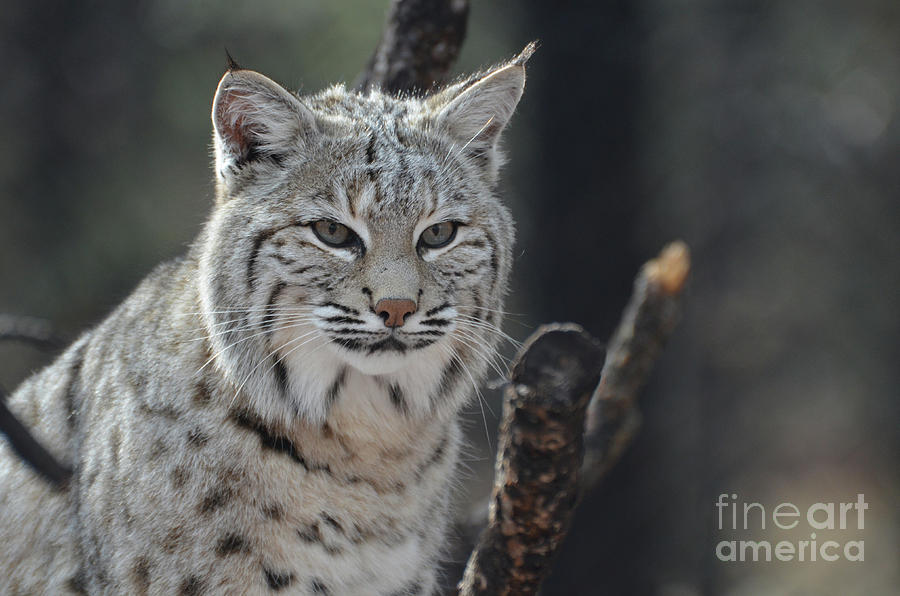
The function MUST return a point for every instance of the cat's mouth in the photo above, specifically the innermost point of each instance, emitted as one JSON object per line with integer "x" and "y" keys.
{"x": 385, "y": 352}
{"x": 396, "y": 342}
{"x": 365, "y": 343}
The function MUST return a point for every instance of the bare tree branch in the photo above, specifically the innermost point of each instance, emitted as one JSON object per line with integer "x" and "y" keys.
{"x": 38, "y": 332}
{"x": 29, "y": 449}
{"x": 649, "y": 319}
{"x": 538, "y": 461}
{"x": 418, "y": 47}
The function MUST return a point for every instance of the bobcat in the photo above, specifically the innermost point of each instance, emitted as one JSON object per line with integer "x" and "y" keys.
{"x": 277, "y": 410}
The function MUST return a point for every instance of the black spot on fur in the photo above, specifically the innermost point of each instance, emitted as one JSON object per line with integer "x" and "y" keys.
{"x": 273, "y": 511}
{"x": 202, "y": 394}
{"x": 172, "y": 540}
{"x": 277, "y": 581}
{"x": 335, "y": 524}
{"x": 140, "y": 572}
{"x": 192, "y": 586}
{"x": 78, "y": 582}
{"x": 179, "y": 477}
{"x": 216, "y": 498}
{"x": 318, "y": 587}
{"x": 310, "y": 534}
{"x": 230, "y": 544}
{"x": 197, "y": 438}
{"x": 157, "y": 449}
{"x": 165, "y": 411}
{"x": 398, "y": 399}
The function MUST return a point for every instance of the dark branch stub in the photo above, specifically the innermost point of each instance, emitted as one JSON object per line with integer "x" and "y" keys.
{"x": 40, "y": 334}
{"x": 538, "y": 462}
{"x": 37, "y": 332}
{"x": 418, "y": 47}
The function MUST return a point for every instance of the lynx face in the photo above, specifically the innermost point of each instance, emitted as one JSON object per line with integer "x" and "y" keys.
{"x": 356, "y": 235}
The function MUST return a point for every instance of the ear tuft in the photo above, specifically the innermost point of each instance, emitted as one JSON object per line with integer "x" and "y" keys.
{"x": 230, "y": 62}
{"x": 526, "y": 53}
{"x": 253, "y": 118}
{"x": 479, "y": 110}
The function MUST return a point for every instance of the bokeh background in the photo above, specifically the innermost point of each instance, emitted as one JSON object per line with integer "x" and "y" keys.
{"x": 764, "y": 133}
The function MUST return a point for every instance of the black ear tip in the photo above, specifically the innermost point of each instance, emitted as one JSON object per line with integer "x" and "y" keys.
{"x": 230, "y": 62}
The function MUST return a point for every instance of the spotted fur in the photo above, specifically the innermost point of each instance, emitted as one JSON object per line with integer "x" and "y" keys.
{"x": 246, "y": 422}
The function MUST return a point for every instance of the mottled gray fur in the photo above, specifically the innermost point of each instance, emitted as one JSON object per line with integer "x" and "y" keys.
{"x": 246, "y": 422}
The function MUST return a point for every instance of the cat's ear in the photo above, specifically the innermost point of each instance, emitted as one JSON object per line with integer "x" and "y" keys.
{"x": 253, "y": 118}
{"x": 476, "y": 114}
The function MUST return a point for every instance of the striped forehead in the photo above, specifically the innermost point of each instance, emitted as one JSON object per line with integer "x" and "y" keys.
{"x": 393, "y": 186}
{"x": 402, "y": 172}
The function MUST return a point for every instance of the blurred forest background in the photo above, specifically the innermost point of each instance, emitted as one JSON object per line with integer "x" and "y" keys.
{"x": 766, "y": 134}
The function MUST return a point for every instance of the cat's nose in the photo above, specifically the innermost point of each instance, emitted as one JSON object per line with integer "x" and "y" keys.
{"x": 394, "y": 310}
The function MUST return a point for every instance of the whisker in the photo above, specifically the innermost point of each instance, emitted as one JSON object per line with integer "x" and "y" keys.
{"x": 247, "y": 309}
{"x": 267, "y": 356}
{"x": 243, "y": 339}
{"x": 489, "y": 358}
{"x": 481, "y": 400}
{"x": 498, "y": 311}
{"x": 253, "y": 325}
{"x": 478, "y": 325}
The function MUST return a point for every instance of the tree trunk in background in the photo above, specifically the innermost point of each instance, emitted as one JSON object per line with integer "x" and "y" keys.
{"x": 584, "y": 97}
{"x": 582, "y": 202}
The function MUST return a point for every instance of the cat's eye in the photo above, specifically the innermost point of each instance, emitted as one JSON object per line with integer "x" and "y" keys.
{"x": 333, "y": 233}
{"x": 438, "y": 235}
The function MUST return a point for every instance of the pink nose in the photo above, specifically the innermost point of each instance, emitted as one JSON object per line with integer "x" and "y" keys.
{"x": 394, "y": 310}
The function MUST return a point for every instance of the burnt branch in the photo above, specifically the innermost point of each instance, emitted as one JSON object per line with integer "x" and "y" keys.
{"x": 555, "y": 441}
{"x": 27, "y": 447}
{"x": 649, "y": 319}
{"x": 37, "y": 332}
{"x": 40, "y": 334}
{"x": 538, "y": 461}
{"x": 419, "y": 44}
